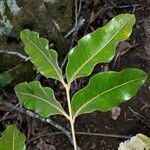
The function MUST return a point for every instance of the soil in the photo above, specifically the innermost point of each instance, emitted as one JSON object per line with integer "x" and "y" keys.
{"x": 134, "y": 115}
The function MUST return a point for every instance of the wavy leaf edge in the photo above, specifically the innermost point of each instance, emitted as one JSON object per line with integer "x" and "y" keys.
{"x": 15, "y": 132}
{"x": 45, "y": 41}
{"x": 92, "y": 33}
{"x": 59, "y": 107}
{"x": 77, "y": 113}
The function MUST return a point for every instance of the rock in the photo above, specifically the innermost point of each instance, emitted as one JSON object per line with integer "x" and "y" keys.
{"x": 61, "y": 13}
{"x": 49, "y": 19}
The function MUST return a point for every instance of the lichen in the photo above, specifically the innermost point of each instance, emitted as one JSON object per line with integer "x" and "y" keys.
{"x": 14, "y": 8}
{"x": 2, "y": 7}
{"x": 5, "y": 24}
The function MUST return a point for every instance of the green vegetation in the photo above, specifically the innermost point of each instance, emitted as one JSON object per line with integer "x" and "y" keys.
{"x": 104, "y": 91}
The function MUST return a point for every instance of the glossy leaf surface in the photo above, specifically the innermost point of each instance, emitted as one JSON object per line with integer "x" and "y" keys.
{"x": 98, "y": 46}
{"x": 12, "y": 139}
{"x": 41, "y": 56}
{"x": 39, "y": 99}
{"x": 107, "y": 90}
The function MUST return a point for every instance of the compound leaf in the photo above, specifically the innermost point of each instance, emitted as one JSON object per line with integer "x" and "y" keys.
{"x": 39, "y": 99}
{"x": 41, "y": 56}
{"x": 107, "y": 90}
{"x": 12, "y": 139}
{"x": 98, "y": 46}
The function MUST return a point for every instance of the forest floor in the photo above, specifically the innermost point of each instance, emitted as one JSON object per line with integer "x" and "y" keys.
{"x": 130, "y": 118}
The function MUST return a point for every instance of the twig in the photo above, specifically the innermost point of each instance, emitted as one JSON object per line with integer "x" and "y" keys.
{"x": 121, "y": 53}
{"x": 7, "y": 113}
{"x": 75, "y": 29}
{"x": 101, "y": 11}
{"x": 135, "y": 113}
{"x": 71, "y": 45}
{"x": 15, "y": 53}
{"x": 76, "y": 15}
{"x": 140, "y": 117}
{"x": 79, "y": 9}
{"x": 104, "y": 135}
{"x": 36, "y": 116}
{"x": 105, "y": 8}
{"x": 81, "y": 22}
{"x": 124, "y": 6}
{"x": 78, "y": 133}
{"x": 14, "y": 68}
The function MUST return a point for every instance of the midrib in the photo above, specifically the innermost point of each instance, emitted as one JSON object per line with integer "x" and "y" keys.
{"x": 42, "y": 100}
{"x": 84, "y": 105}
{"x": 13, "y": 140}
{"x": 44, "y": 56}
{"x": 74, "y": 75}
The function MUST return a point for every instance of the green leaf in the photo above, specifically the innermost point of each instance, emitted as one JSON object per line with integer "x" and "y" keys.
{"x": 98, "y": 46}
{"x": 12, "y": 139}
{"x": 5, "y": 79}
{"x": 39, "y": 99}
{"x": 107, "y": 90}
{"x": 41, "y": 56}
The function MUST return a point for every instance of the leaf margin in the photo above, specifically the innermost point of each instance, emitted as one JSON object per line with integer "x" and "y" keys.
{"x": 70, "y": 79}
{"x": 15, "y": 131}
{"x": 75, "y": 114}
{"x": 58, "y": 72}
{"x": 60, "y": 110}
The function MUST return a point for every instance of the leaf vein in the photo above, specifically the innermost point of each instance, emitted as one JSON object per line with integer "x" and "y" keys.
{"x": 77, "y": 71}
{"x": 43, "y": 101}
{"x": 60, "y": 77}
{"x": 84, "y": 105}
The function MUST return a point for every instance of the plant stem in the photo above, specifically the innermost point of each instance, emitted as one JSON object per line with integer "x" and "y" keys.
{"x": 73, "y": 134}
{"x": 67, "y": 87}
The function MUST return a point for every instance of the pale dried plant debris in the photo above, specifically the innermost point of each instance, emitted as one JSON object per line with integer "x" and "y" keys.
{"x": 138, "y": 142}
